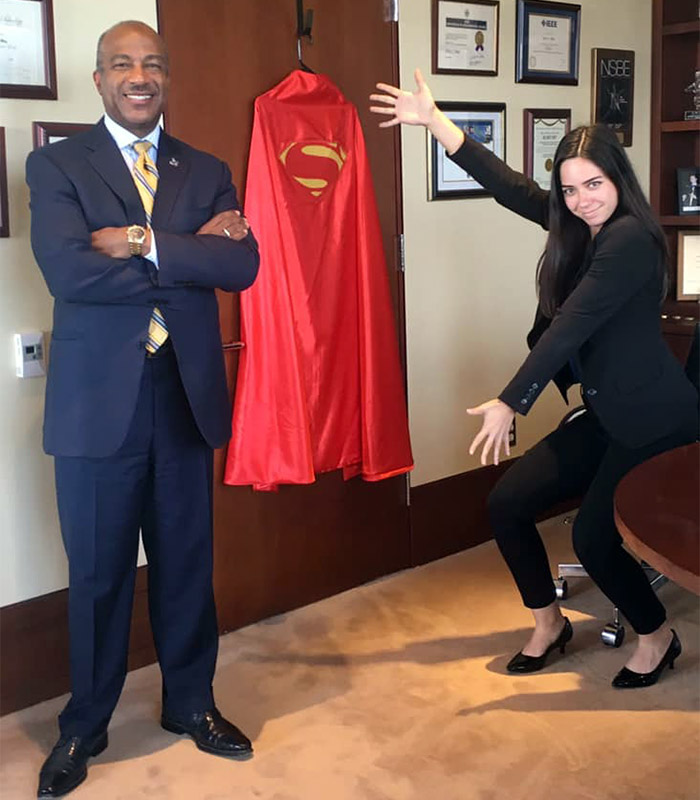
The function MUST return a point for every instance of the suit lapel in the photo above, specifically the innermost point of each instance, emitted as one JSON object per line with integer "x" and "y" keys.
{"x": 173, "y": 168}
{"x": 109, "y": 163}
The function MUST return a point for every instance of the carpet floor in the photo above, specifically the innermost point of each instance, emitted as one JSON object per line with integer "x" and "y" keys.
{"x": 397, "y": 690}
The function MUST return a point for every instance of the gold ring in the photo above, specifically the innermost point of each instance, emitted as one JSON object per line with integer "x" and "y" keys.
{"x": 226, "y": 233}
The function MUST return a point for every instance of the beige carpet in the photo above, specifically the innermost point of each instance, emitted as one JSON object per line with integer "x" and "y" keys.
{"x": 396, "y": 691}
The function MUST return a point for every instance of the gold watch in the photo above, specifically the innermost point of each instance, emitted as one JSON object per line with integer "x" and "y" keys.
{"x": 136, "y": 236}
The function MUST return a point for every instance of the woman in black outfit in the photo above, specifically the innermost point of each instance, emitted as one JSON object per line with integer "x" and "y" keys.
{"x": 601, "y": 279}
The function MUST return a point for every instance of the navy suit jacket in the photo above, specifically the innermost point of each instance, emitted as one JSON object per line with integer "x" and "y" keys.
{"x": 103, "y": 305}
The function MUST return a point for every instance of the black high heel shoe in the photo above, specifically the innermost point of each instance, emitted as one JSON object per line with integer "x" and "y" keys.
{"x": 629, "y": 679}
{"x": 522, "y": 663}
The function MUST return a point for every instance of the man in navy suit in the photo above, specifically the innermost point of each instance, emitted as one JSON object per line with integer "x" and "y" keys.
{"x": 132, "y": 416}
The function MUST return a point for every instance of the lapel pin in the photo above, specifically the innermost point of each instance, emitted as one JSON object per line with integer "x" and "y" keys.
{"x": 174, "y": 162}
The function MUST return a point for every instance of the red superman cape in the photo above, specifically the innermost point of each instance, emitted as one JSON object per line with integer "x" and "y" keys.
{"x": 319, "y": 381}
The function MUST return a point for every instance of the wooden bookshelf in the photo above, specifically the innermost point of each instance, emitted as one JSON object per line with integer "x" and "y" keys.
{"x": 675, "y": 141}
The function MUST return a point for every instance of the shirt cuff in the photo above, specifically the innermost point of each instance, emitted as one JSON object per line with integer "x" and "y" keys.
{"x": 152, "y": 254}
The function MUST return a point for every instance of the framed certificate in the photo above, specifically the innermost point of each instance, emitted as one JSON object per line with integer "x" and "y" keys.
{"x": 547, "y": 42}
{"x": 688, "y": 283}
{"x": 543, "y": 129}
{"x": 44, "y": 133}
{"x": 484, "y": 122}
{"x": 612, "y": 98}
{"x": 4, "y": 208}
{"x": 27, "y": 50}
{"x": 465, "y": 37}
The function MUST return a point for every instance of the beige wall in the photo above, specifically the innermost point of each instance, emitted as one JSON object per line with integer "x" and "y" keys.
{"x": 32, "y": 561}
{"x": 470, "y": 264}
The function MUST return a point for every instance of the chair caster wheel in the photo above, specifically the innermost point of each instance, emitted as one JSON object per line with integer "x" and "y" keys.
{"x": 612, "y": 635}
{"x": 561, "y": 588}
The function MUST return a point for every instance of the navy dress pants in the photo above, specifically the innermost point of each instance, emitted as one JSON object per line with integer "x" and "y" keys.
{"x": 576, "y": 459}
{"x": 158, "y": 482}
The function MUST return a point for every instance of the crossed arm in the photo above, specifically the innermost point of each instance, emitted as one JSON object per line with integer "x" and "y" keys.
{"x": 112, "y": 242}
{"x": 83, "y": 266}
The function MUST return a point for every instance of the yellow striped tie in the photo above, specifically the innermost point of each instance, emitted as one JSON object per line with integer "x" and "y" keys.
{"x": 146, "y": 180}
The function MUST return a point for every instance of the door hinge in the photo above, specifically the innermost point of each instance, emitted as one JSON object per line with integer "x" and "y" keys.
{"x": 391, "y": 10}
{"x": 401, "y": 266}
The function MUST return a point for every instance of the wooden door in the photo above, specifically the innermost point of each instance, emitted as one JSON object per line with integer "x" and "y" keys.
{"x": 278, "y": 551}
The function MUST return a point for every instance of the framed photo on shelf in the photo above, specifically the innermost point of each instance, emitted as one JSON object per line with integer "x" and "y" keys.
{"x": 688, "y": 190}
{"x": 688, "y": 275}
{"x": 27, "y": 50}
{"x": 44, "y": 133}
{"x": 484, "y": 122}
{"x": 465, "y": 37}
{"x": 4, "y": 207}
{"x": 547, "y": 42}
{"x": 612, "y": 96}
{"x": 543, "y": 129}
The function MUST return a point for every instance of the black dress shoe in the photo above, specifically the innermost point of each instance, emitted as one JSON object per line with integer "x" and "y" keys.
{"x": 523, "y": 663}
{"x": 629, "y": 679}
{"x": 66, "y": 767}
{"x": 212, "y": 734}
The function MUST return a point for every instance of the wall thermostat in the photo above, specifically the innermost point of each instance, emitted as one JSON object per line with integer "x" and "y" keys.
{"x": 29, "y": 354}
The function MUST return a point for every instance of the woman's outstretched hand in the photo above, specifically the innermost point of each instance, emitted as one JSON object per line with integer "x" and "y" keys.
{"x": 410, "y": 108}
{"x": 416, "y": 108}
{"x": 498, "y": 418}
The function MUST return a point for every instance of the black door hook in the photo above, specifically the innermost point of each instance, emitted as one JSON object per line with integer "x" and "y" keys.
{"x": 304, "y": 24}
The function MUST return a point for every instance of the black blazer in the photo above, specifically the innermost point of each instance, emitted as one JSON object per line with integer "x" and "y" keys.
{"x": 103, "y": 305}
{"x": 609, "y": 326}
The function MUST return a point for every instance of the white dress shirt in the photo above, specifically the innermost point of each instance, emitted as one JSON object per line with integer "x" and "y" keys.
{"x": 125, "y": 140}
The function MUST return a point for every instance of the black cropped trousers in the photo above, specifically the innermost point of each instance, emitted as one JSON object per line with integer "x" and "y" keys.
{"x": 578, "y": 458}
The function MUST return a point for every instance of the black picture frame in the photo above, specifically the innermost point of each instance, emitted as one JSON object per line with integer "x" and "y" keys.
{"x": 486, "y": 122}
{"x": 45, "y": 41}
{"x": 688, "y": 186}
{"x": 476, "y": 16}
{"x": 554, "y": 58}
{"x": 612, "y": 95}
{"x": 44, "y": 133}
{"x": 4, "y": 206}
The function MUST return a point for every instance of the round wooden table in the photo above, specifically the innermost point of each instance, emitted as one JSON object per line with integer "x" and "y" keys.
{"x": 657, "y": 511}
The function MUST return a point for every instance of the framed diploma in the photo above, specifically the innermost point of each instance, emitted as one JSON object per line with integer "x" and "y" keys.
{"x": 465, "y": 37}
{"x": 4, "y": 208}
{"x": 688, "y": 283}
{"x": 543, "y": 129}
{"x": 612, "y": 98}
{"x": 484, "y": 122}
{"x": 27, "y": 50}
{"x": 547, "y": 42}
{"x": 44, "y": 133}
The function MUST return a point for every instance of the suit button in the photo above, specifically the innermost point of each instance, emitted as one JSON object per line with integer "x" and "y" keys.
{"x": 523, "y": 402}
{"x": 591, "y": 392}
{"x": 535, "y": 386}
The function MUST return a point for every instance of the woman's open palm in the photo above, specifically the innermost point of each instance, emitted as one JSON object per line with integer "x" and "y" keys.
{"x": 410, "y": 108}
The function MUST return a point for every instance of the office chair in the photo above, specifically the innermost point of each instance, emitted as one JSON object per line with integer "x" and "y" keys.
{"x": 613, "y": 634}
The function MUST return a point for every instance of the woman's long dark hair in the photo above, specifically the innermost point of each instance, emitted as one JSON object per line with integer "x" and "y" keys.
{"x": 559, "y": 268}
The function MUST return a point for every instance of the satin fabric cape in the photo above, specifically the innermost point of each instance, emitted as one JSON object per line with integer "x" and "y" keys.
{"x": 319, "y": 381}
